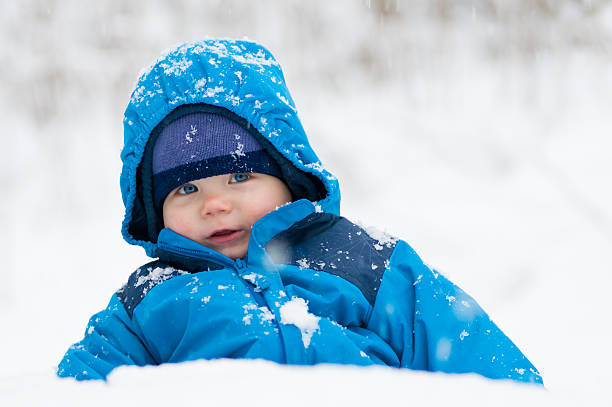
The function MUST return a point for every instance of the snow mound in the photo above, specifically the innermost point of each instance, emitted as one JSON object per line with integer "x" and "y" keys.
{"x": 242, "y": 382}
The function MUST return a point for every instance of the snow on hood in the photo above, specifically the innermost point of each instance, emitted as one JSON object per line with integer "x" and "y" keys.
{"x": 240, "y": 76}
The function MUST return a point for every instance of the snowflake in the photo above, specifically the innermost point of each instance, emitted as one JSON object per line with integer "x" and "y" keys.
{"x": 192, "y": 132}
{"x": 303, "y": 263}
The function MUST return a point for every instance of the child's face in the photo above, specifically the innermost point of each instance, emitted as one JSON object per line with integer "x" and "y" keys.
{"x": 219, "y": 211}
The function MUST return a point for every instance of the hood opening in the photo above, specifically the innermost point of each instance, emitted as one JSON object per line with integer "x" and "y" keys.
{"x": 146, "y": 222}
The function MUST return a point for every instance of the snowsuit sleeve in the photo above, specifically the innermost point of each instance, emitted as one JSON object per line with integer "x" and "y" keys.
{"x": 434, "y": 325}
{"x": 110, "y": 341}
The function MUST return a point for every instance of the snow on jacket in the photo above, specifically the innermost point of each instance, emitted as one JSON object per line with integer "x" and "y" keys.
{"x": 313, "y": 288}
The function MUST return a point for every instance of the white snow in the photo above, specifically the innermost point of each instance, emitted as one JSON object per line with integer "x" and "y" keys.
{"x": 177, "y": 67}
{"x": 383, "y": 238}
{"x": 200, "y": 84}
{"x": 295, "y": 312}
{"x": 211, "y": 92}
{"x": 240, "y": 382}
{"x": 192, "y": 132}
{"x": 266, "y": 314}
{"x": 250, "y": 277}
{"x": 478, "y": 132}
{"x": 239, "y": 152}
{"x": 257, "y": 59}
{"x": 157, "y": 275}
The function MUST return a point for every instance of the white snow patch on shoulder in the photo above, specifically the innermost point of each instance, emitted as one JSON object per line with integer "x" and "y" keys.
{"x": 156, "y": 275}
{"x": 383, "y": 237}
{"x": 295, "y": 312}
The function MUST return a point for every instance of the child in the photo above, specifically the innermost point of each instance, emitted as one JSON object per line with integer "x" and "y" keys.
{"x": 220, "y": 184}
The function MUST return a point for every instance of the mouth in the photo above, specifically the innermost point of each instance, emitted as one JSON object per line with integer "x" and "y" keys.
{"x": 224, "y": 235}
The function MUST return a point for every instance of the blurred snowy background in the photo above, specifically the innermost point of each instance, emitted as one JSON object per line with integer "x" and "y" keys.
{"x": 477, "y": 130}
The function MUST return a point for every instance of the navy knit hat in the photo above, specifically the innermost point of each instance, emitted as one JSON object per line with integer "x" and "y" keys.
{"x": 204, "y": 144}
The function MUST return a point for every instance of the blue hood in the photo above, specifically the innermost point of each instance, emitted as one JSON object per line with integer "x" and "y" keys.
{"x": 240, "y": 76}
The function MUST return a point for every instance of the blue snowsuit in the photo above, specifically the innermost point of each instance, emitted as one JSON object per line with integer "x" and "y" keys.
{"x": 313, "y": 288}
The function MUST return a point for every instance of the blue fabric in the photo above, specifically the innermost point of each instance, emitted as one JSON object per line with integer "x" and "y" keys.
{"x": 412, "y": 317}
{"x": 360, "y": 299}
{"x": 351, "y": 257}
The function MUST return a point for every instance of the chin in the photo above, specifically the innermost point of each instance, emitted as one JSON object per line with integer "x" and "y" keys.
{"x": 235, "y": 254}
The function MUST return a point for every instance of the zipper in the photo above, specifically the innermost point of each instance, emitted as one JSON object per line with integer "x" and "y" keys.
{"x": 239, "y": 265}
{"x": 203, "y": 255}
{"x": 258, "y": 280}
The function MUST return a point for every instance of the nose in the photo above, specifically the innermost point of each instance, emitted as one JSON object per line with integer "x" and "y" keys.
{"x": 215, "y": 204}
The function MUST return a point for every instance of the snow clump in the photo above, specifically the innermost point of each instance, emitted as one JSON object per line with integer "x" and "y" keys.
{"x": 295, "y": 312}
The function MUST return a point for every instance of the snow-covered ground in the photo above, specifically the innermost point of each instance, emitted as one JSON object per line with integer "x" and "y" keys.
{"x": 477, "y": 131}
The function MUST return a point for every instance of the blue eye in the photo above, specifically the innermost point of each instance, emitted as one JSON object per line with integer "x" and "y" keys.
{"x": 187, "y": 189}
{"x": 240, "y": 177}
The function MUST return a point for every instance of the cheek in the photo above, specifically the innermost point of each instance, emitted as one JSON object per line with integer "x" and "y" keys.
{"x": 178, "y": 223}
{"x": 252, "y": 213}
{"x": 265, "y": 203}
{"x": 281, "y": 196}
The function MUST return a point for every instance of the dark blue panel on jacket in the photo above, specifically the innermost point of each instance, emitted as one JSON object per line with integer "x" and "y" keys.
{"x": 156, "y": 272}
{"x": 142, "y": 281}
{"x": 332, "y": 244}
